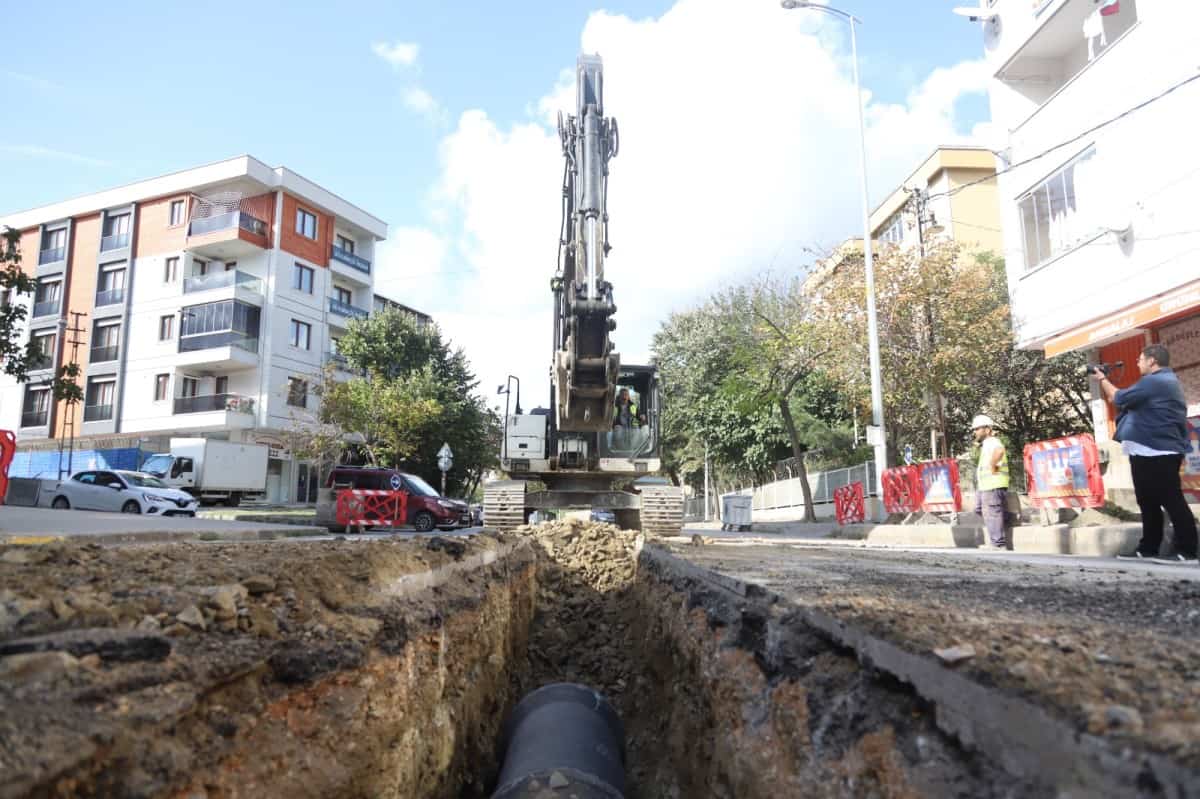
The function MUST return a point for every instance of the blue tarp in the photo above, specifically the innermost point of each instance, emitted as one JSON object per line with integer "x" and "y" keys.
{"x": 45, "y": 465}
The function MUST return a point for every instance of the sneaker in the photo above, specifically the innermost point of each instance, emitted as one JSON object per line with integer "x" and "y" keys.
{"x": 1135, "y": 555}
{"x": 1176, "y": 560}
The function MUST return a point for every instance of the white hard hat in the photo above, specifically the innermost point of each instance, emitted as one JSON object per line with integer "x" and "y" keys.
{"x": 982, "y": 421}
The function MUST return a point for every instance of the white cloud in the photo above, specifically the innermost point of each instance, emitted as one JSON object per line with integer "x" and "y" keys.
{"x": 37, "y": 151}
{"x": 398, "y": 54}
{"x": 728, "y": 165}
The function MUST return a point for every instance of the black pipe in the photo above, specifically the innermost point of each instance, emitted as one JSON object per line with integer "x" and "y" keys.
{"x": 565, "y": 738}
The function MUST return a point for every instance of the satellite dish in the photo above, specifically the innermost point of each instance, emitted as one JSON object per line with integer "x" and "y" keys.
{"x": 978, "y": 14}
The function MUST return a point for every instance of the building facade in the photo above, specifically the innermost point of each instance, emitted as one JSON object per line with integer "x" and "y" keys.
{"x": 1099, "y": 102}
{"x": 200, "y": 303}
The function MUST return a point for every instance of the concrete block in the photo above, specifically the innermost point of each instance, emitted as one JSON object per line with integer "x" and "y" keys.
{"x": 1052, "y": 539}
{"x": 1106, "y": 541}
{"x": 915, "y": 535}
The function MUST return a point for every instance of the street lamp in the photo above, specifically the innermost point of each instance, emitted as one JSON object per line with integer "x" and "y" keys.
{"x": 868, "y": 256}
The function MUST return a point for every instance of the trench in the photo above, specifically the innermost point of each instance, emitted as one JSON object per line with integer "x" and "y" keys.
{"x": 722, "y": 693}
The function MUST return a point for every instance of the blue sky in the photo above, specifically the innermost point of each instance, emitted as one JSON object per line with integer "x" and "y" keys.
{"x": 739, "y": 134}
{"x": 126, "y": 90}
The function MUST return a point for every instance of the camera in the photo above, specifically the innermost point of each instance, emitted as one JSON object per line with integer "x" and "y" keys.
{"x": 1106, "y": 368}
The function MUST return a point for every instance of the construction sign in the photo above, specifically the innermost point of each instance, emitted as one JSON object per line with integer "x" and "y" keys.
{"x": 902, "y": 489}
{"x": 848, "y": 504}
{"x": 1189, "y": 474}
{"x": 1064, "y": 473}
{"x": 941, "y": 492}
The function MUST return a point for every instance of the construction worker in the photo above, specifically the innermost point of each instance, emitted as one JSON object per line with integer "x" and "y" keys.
{"x": 626, "y": 413}
{"x": 991, "y": 481}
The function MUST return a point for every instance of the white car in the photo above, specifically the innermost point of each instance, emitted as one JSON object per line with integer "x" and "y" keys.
{"x": 126, "y": 492}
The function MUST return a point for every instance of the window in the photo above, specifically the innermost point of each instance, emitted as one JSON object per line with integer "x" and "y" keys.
{"x": 342, "y": 295}
{"x": 162, "y": 387}
{"x": 176, "y": 215}
{"x": 346, "y": 244}
{"x": 222, "y": 384}
{"x": 217, "y": 317}
{"x": 302, "y": 279}
{"x": 36, "y": 412}
{"x": 301, "y": 334}
{"x": 199, "y": 268}
{"x": 106, "y": 343}
{"x": 110, "y": 288}
{"x": 171, "y": 270}
{"x": 116, "y": 232}
{"x": 166, "y": 327}
{"x": 190, "y": 387}
{"x": 1055, "y": 215}
{"x": 306, "y": 224}
{"x": 98, "y": 403}
{"x": 334, "y": 344}
{"x": 893, "y": 229}
{"x": 230, "y": 266}
{"x": 43, "y": 345}
{"x": 297, "y": 393}
{"x": 54, "y": 246}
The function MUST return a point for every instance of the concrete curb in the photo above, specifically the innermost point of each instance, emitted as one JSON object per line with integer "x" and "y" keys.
{"x": 162, "y": 536}
{"x": 943, "y": 536}
{"x": 1104, "y": 541}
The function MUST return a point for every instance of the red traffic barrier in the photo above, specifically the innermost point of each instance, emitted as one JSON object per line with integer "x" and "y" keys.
{"x": 940, "y": 489}
{"x": 1189, "y": 472}
{"x": 371, "y": 508}
{"x": 8, "y": 448}
{"x": 848, "y": 504}
{"x": 1064, "y": 473}
{"x": 902, "y": 489}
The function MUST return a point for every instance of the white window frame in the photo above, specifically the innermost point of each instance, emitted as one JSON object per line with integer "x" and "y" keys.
{"x": 1064, "y": 231}
{"x": 171, "y": 269}
{"x": 172, "y": 221}
{"x": 169, "y": 319}
{"x": 166, "y": 387}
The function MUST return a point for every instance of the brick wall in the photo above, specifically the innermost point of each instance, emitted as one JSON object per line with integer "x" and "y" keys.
{"x": 154, "y": 236}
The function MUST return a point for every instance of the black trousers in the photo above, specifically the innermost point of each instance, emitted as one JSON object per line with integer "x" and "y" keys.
{"x": 1156, "y": 485}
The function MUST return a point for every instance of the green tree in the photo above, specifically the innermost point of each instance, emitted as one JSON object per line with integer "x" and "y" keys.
{"x": 18, "y": 359}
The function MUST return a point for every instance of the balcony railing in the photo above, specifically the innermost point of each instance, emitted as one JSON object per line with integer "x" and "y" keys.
{"x": 224, "y": 338}
{"x": 214, "y": 402}
{"x": 35, "y": 418}
{"x": 346, "y": 309}
{"x": 110, "y": 297}
{"x": 350, "y": 259}
{"x": 102, "y": 354}
{"x": 52, "y": 255}
{"x": 46, "y": 308}
{"x": 210, "y": 224}
{"x": 97, "y": 413}
{"x": 114, "y": 242}
{"x": 220, "y": 280}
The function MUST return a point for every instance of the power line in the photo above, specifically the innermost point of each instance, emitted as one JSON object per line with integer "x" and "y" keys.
{"x": 1072, "y": 140}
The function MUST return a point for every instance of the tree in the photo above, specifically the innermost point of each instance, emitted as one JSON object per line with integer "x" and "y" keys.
{"x": 386, "y": 416}
{"x": 18, "y": 359}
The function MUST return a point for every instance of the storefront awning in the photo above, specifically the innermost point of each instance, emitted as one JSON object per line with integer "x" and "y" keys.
{"x": 1121, "y": 323}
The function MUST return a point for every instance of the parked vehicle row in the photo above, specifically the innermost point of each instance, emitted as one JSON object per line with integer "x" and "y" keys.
{"x": 122, "y": 492}
{"x": 425, "y": 508}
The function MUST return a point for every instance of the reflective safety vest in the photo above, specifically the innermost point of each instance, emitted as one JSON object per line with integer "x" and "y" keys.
{"x": 632, "y": 420}
{"x": 985, "y": 478}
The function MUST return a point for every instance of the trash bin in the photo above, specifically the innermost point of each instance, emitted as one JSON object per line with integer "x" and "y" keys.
{"x": 735, "y": 512}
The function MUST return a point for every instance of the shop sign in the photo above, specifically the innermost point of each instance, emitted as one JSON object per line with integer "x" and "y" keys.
{"x": 1103, "y": 330}
{"x": 276, "y": 448}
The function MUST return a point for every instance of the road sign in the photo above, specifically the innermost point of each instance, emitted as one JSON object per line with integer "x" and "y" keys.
{"x": 874, "y": 435}
{"x": 396, "y": 482}
{"x": 445, "y": 452}
{"x": 908, "y": 459}
{"x": 445, "y": 463}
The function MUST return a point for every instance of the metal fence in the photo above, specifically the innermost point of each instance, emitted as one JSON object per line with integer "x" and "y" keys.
{"x": 789, "y": 493}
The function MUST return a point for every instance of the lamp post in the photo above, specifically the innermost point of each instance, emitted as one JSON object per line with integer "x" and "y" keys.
{"x": 868, "y": 256}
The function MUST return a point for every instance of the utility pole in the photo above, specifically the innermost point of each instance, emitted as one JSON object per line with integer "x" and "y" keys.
{"x": 919, "y": 204}
{"x": 68, "y": 427}
{"x": 705, "y": 481}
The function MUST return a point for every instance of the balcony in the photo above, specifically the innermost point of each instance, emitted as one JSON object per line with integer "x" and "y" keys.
{"x": 110, "y": 297}
{"x": 214, "y": 402}
{"x": 350, "y": 259}
{"x": 227, "y": 236}
{"x": 52, "y": 255}
{"x": 114, "y": 242}
{"x": 227, "y": 221}
{"x": 346, "y": 309}
{"x": 338, "y": 360}
{"x": 97, "y": 413}
{"x": 225, "y": 338}
{"x": 35, "y": 418}
{"x": 46, "y": 308}
{"x": 220, "y": 280}
{"x": 103, "y": 354}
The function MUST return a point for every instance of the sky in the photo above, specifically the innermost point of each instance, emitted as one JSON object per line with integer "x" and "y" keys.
{"x": 738, "y": 133}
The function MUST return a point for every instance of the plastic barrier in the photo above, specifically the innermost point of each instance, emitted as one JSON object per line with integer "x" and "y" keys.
{"x": 940, "y": 488}
{"x": 8, "y": 448}
{"x": 902, "y": 489}
{"x": 1064, "y": 473}
{"x": 848, "y": 504}
{"x": 371, "y": 508}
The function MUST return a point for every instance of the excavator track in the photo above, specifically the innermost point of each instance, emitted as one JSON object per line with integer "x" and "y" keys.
{"x": 662, "y": 510}
{"x": 504, "y": 505}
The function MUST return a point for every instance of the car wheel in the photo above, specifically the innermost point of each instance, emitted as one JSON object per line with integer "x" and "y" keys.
{"x": 131, "y": 507}
{"x": 61, "y": 503}
{"x": 423, "y": 521}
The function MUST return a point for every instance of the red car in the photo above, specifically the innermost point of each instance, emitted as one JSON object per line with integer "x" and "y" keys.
{"x": 426, "y": 508}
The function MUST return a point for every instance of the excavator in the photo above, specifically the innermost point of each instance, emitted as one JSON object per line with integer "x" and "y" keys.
{"x": 584, "y": 451}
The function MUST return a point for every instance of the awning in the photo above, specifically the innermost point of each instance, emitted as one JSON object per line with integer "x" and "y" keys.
{"x": 1121, "y": 323}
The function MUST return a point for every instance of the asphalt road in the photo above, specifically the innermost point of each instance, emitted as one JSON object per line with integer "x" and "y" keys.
{"x": 19, "y": 523}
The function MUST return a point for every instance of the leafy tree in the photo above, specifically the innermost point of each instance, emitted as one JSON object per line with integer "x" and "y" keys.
{"x": 18, "y": 359}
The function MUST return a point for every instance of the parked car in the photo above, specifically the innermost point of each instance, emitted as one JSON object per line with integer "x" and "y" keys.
{"x": 603, "y": 515}
{"x": 425, "y": 510}
{"x": 124, "y": 492}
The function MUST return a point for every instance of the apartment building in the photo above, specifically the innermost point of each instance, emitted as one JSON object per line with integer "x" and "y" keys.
{"x": 1100, "y": 178}
{"x": 205, "y": 302}
{"x": 950, "y": 195}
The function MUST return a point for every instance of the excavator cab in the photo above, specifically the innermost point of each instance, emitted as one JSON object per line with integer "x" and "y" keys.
{"x": 634, "y": 432}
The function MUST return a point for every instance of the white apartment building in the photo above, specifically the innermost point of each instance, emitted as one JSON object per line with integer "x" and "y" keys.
{"x": 1099, "y": 178}
{"x": 204, "y": 302}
